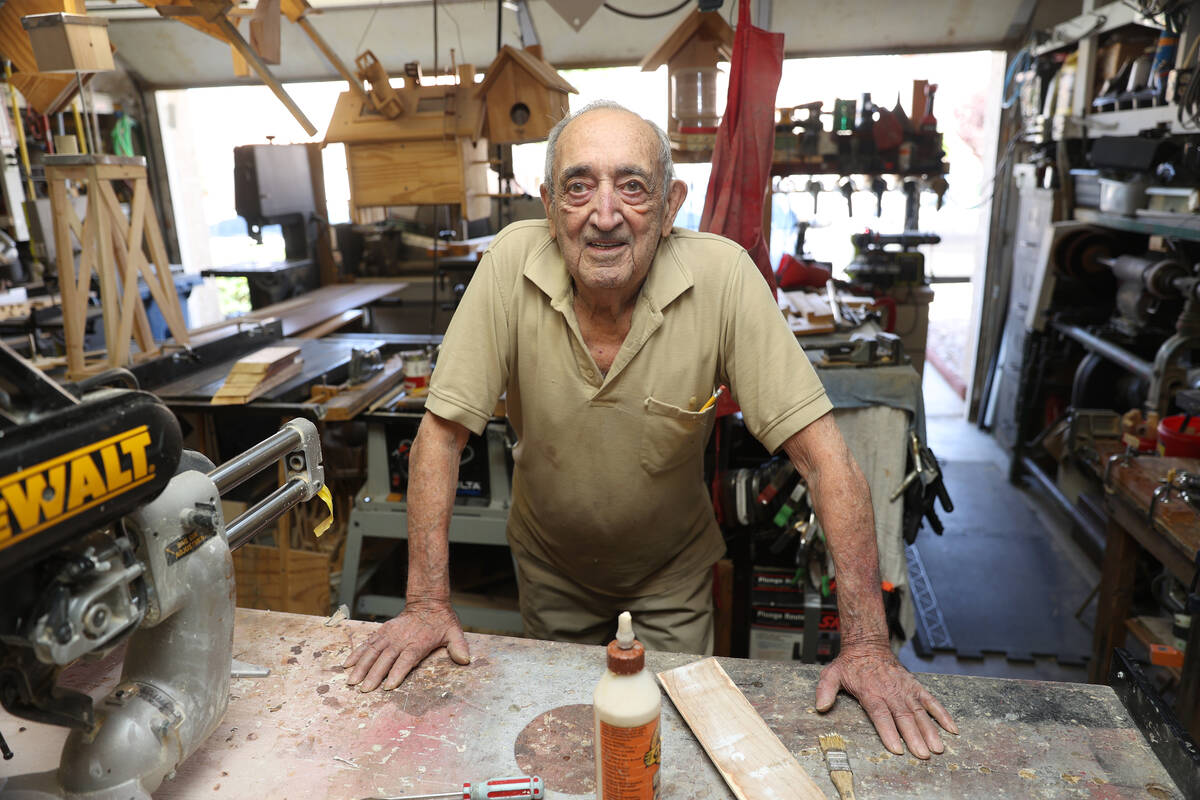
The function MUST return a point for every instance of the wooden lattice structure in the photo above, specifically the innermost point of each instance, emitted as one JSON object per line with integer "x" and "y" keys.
{"x": 114, "y": 247}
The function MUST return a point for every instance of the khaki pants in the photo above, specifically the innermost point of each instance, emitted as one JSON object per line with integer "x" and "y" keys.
{"x": 679, "y": 620}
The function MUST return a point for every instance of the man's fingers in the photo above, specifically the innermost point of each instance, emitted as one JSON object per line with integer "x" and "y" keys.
{"x": 929, "y": 731}
{"x": 885, "y": 726}
{"x": 906, "y": 722}
{"x": 364, "y": 658}
{"x": 408, "y": 659}
{"x": 456, "y": 647}
{"x": 379, "y": 670}
{"x": 938, "y": 712}
{"x": 354, "y": 656}
{"x": 828, "y": 686}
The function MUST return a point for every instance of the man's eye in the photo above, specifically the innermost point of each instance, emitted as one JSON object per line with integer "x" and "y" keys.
{"x": 633, "y": 188}
{"x": 576, "y": 187}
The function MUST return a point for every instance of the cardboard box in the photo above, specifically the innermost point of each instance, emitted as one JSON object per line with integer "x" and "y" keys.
{"x": 69, "y": 42}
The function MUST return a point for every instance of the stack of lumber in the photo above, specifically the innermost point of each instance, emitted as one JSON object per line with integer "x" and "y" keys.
{"x": 258, "y": 373}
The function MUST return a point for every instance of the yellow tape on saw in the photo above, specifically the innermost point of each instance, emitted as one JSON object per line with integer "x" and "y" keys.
{"x": 328, "y": 500}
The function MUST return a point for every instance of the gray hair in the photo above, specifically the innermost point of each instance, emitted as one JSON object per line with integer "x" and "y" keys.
{"x": 664, "y": 144}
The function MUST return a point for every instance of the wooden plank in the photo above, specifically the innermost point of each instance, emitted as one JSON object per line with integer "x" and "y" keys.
{"x": 748, "y": 755}
{"x": 131, "y": 302}
{"x": 133, "y": 244}
{"x": 405, "y": 173}
{"x": 65, "y": 261}
{"x": 330, "y": 325}
{"x": 127, "y": 274}
{"x": 87, "y": 257}
{"x": 106, "y": 268}
{"x": 264, "y": 30}
{"x": 347, "y": 404}
{"x": 312, "y": 308}
{"x": 169, "y": 303}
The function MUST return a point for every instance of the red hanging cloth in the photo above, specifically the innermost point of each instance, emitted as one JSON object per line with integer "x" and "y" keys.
{"x": 741, "y": 163}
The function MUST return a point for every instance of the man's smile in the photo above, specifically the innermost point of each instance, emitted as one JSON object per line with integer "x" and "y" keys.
{"x": 606, "y": 244}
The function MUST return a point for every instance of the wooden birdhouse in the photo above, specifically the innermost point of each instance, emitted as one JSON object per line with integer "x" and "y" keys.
{"x": 524, "y": 97}
{"x": 415, "y": 145}
{"x": 691, "y": 53}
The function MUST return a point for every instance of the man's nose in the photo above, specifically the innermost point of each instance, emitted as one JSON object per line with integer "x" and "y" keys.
{"x": 607, "y": 209}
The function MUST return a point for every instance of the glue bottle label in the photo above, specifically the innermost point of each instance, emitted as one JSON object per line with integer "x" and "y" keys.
{"x": 631, "y": 758}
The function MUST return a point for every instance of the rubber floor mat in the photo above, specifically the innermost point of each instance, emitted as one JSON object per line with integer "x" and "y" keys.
{"x": 1002, "y": 582}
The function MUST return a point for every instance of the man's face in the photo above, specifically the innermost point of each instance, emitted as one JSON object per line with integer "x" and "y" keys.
{"x": 610, "y": 206}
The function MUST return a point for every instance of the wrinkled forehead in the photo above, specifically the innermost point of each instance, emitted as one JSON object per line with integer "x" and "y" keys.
{"x": 604, "y": 141}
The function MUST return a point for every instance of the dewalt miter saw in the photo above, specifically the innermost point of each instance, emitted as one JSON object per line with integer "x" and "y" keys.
{"x": 111, "y": 532}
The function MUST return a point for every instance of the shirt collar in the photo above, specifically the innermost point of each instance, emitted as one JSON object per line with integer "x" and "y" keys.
{"x": 668, "y": 278}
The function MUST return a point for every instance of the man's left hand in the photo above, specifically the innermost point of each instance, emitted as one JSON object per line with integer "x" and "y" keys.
{"x": 890, "y": 695}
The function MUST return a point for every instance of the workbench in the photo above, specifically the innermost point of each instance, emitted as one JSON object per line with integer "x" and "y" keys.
{"x": 1172, "y": 538}
{"x": 523, "y": 706}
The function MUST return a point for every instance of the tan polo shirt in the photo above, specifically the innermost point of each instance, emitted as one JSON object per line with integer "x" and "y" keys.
{"x": 608, "y": 483}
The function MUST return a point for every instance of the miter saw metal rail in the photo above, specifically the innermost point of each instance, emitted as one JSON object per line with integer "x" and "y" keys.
{"x": 110, "y": 532}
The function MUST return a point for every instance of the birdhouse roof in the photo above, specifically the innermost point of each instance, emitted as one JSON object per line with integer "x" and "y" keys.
{"x": 546, "y": 75}
{"x": 708, "y": 25}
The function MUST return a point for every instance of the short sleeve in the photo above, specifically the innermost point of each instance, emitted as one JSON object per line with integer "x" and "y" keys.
{"x": 473, "y": 364}
{"x": 769, "y": 375}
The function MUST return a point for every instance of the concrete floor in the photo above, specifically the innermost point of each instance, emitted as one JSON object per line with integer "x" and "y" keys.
{"x": 954, "y": 440}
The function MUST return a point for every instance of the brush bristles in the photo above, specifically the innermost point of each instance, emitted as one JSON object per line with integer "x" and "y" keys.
{"x": 832, "y": 741}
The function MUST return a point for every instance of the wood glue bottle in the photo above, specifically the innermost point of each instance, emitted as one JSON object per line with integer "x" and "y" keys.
{"x": 627, "y": 707}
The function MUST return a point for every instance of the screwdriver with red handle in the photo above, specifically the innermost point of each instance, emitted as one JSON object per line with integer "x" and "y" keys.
{"x": 524, "y": 786}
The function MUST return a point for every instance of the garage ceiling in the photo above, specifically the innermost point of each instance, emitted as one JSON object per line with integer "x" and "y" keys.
{"x": 168, "y": 54}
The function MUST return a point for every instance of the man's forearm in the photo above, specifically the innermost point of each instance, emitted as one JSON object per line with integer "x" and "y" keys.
{"x": 432, "y": 478}
{"x": 842, "y": 501}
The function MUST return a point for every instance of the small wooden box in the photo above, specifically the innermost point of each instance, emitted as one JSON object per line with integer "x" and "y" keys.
{"x": 69, "y": 42}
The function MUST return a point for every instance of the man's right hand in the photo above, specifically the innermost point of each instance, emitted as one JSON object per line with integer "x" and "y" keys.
{"x": 399, "y": 644}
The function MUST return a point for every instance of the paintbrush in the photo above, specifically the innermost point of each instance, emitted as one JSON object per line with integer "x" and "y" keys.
{"x": 834, "y": 748}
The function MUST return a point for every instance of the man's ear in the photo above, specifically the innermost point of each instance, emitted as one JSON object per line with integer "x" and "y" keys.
{"x": 546, "y": 206}
{"x": 676, "y": 194}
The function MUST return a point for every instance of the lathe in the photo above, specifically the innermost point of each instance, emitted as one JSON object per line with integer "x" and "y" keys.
{"x": 111, "y": 532}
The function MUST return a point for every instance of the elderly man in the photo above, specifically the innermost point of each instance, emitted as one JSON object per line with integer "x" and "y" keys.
{"x": 608, "y": 329}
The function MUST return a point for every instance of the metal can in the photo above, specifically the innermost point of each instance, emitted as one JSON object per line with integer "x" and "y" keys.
{"x": 416, "y": 369}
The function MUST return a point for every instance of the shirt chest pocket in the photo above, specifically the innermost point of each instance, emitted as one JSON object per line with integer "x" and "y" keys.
{"x": 671, "y": 436}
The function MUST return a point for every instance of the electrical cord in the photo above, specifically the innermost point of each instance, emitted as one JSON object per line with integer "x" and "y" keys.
{"x": 655, "y": 15}
{"x": 1021, "y": 62}
{"x": 367, "y": 27}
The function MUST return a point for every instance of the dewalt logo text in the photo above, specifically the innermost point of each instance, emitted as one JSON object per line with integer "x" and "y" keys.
{"x": 37, "y": 498}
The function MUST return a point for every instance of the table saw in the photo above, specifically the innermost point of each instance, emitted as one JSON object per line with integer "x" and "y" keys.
{"x": 523, "y": 706}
